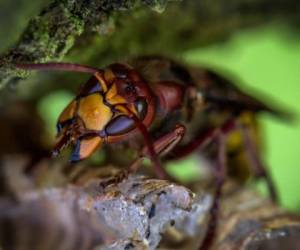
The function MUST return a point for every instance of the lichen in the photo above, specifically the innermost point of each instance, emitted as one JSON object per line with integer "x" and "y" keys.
{"x": 50, "y": 35}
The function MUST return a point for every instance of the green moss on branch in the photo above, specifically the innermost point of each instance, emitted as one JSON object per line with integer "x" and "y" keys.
{"x": 101, "y": 31}
{"x": 50, "y": 35}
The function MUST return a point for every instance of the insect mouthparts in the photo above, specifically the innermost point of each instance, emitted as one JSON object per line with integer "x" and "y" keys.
{"x": 54, "y": 153}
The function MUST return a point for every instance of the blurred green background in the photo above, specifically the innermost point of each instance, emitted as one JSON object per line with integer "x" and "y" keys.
{"x": 267, "y": 60}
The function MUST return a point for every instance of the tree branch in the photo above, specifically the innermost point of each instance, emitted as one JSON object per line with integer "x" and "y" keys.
{"x": 185, "y": 25}
{"x": 51, "y": 34}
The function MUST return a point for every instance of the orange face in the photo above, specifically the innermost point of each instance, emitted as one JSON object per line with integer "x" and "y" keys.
{"x": 102, "y": 112}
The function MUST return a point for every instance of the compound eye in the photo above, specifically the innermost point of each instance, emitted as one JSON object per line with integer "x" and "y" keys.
{"x": 141, "y": 107}
{"x": 129, "y": 90}
{"x": 90, "y": 87}
{"x": 119, "y": 70}
{"x": 120, "y": 125}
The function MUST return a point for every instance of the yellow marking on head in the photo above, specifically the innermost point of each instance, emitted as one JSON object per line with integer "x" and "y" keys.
{"x": 94, "y": 113}
{"x": 116, "y": 100}
{"x": 68, "y": 112}
{"x": 125, "y": 111}
{"x": 109, "y": 75}
{"x": 101, "y": 81}
{"x": 112, "y": 96}
{"x": 112, "y": 92}
{"x": 122, "y": 109}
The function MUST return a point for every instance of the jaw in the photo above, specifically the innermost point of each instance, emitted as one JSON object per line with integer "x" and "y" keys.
{"x": 84, "y": 145}
{"x": 64, "y": 139}
{"x": 67, "y": 134}
{"x": 84, "y": 148}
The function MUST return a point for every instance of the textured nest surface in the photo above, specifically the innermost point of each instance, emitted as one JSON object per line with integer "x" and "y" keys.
{"x": 138, "y": 213}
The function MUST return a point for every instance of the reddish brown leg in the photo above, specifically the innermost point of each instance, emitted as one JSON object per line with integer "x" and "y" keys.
{"x": 161, "y": 146}
{"x": 219, "y": 170}
{"x": 201, "y": 140}
{"x": 256, "y": 164}
{"x": 159, "y": 170}
{"x": 220, "y": 173}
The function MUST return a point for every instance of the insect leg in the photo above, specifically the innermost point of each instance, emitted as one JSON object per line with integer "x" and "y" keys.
{"x": 159, "y": 170}
{"x": 256, "y": 164}
{"x": 167, "y": 142}
{"x": 162, "y": 146}
{"x": 218, "y": 134}
{"x": 220, "y": 174}
{"x": 201, "y": 140}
